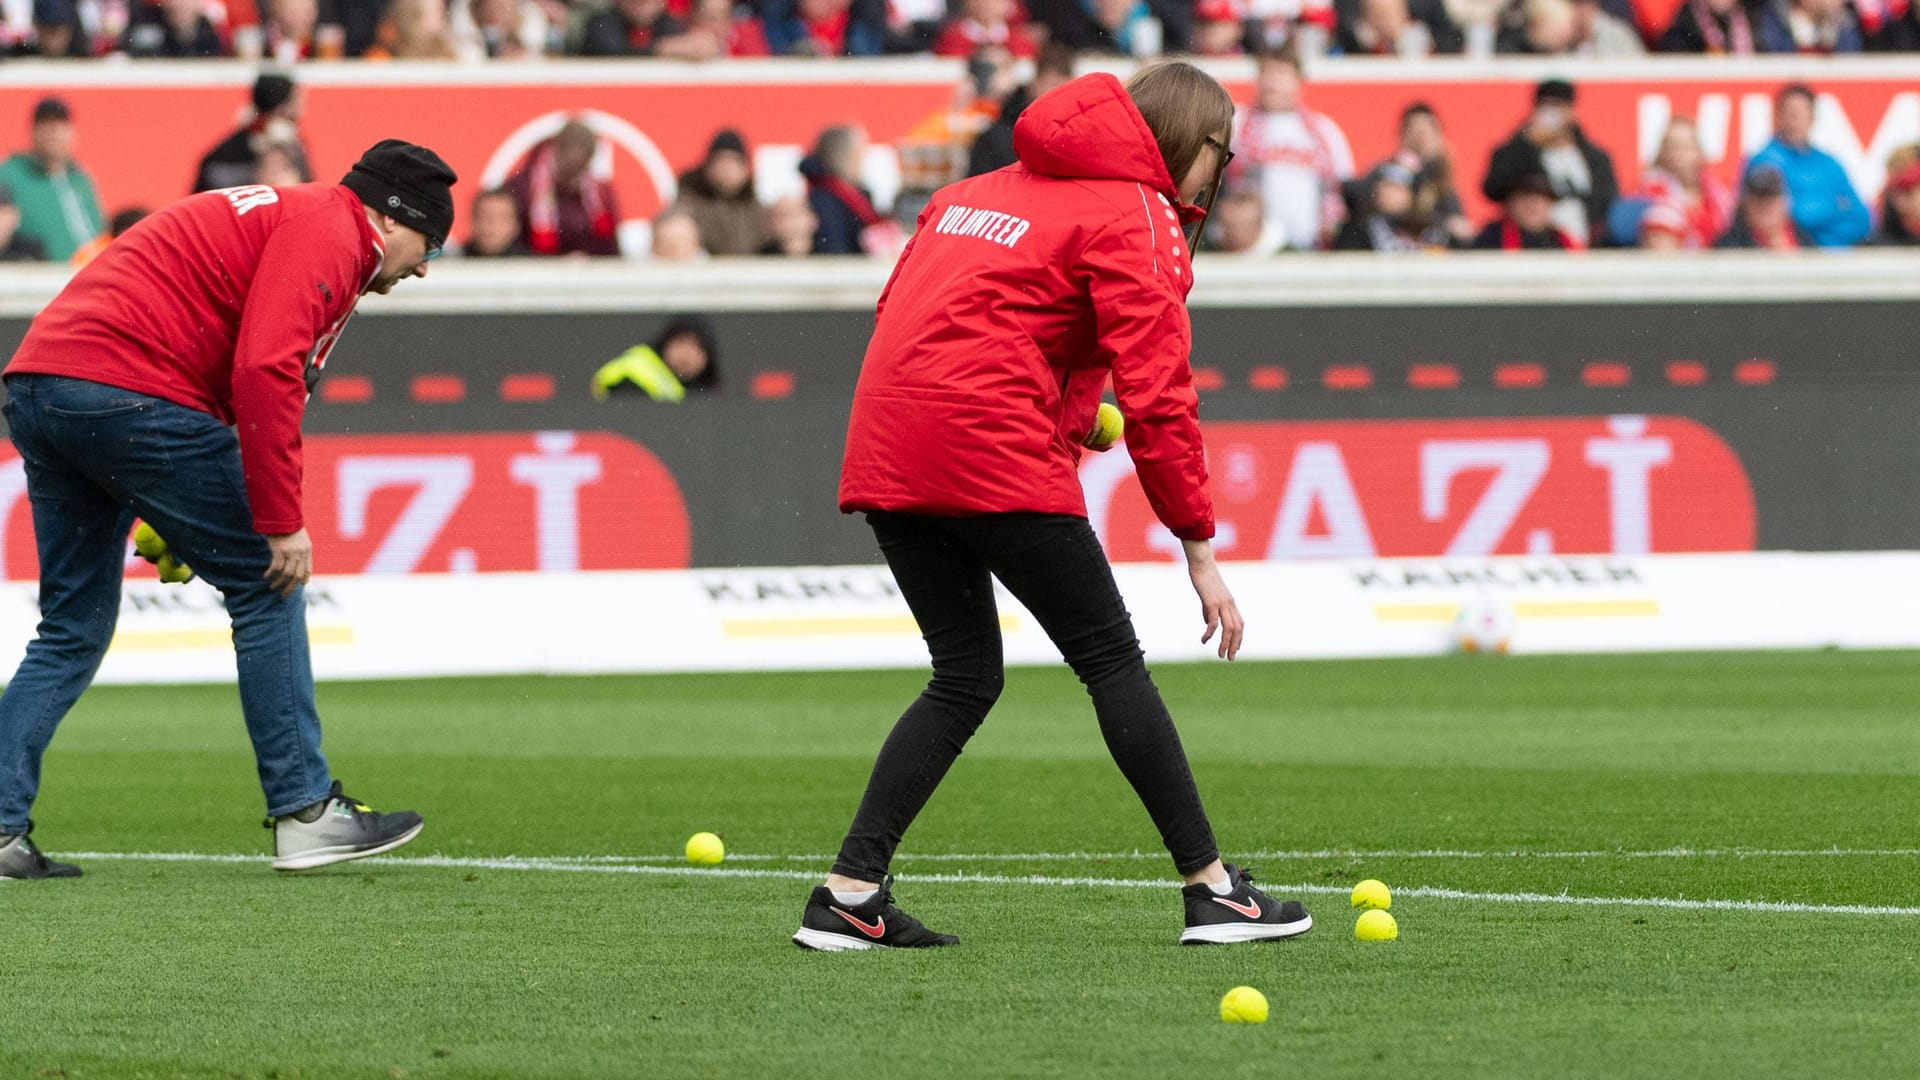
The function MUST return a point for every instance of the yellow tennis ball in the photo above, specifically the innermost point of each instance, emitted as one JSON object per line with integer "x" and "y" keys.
{"x": 1107, "y": 426}
{"x": 1376, "y": 925}
{"x": 1372, "y": 894}
{"x": 705, "y": 849}
{"x": 1244, "y": 1005}
{"x": 147, "y": 543}
{"x": 173, "y": 571}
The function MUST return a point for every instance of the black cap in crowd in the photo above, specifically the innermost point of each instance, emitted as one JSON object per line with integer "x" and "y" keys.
{"x": 1764, "y": 181}
{"x": 1558, "y": 90}
{"x": 49, "y": 109}
{"x": 726, "y": 139}
{"x": 1531, "y": 182}
{"x": 408, "y": 183}
{"x": 270, "y": 91}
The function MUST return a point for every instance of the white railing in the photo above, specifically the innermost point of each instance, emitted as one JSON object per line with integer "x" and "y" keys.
{"x": 850, "y": 284}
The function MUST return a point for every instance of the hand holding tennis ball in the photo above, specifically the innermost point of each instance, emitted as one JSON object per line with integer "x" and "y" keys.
{"x": 152, "y": 547}
{"x": 1107, "y": 426}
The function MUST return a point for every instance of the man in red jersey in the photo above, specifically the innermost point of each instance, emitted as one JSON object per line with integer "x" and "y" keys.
{"x": 167, "y": 382}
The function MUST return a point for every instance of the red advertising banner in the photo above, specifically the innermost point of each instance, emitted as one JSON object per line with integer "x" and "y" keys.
{"x": 142, "y": 140}
{"x": 399, "y": 504}
{"x": 1621, "y": 485}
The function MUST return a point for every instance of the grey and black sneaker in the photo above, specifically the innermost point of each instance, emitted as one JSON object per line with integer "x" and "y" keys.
{"x": 337, "y": 828}
{"x": 21, "y": 860}
{"x": 1245, "y": 914}
{"x": 827, "y": 925}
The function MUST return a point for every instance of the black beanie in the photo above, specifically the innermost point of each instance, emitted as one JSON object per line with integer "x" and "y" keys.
{"x": 407, "y": 183}
{"x": 270, "y": 91}
{"x": 726, "y": 139}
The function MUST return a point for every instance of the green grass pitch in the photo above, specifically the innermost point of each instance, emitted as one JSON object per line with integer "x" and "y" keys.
{"x": 1488, "y": 792}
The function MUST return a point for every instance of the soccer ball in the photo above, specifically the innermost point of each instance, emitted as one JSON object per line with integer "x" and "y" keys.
{"x": 1484, "y": 625}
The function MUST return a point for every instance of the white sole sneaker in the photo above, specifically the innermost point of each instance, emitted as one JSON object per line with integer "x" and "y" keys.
{"x": 824, "y": 942}
{"x": 327, "y": 856}
{"x": 1234, "y": 933}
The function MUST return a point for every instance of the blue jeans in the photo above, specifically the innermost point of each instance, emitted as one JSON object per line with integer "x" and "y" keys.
{"x": 96, "y": 458}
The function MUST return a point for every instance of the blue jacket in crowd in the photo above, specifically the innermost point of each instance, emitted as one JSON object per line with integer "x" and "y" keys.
{"x": 1824, "y": 202}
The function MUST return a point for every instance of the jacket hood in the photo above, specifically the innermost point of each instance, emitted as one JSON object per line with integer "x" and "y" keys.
{"x": 1089, "y": 129}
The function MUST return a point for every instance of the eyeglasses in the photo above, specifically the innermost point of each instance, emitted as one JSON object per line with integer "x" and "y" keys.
{"x": 1226, "y": 155}
{"x": 436, "y": 247}
{"x": 1198, "y": 232}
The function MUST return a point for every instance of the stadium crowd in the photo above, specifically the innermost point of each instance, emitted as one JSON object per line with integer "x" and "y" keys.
{"x": 1293, "y": 184}
{"x": 292, "y": 30}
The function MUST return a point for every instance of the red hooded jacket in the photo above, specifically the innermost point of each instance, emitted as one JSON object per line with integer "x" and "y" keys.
{"x": 227, "y": 302}
{"x": 1022, "y": 290}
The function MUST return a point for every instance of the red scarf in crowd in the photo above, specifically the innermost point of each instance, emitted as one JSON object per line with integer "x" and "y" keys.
{"x": 1719, "y": 43}
{"x": 543, "y": 204}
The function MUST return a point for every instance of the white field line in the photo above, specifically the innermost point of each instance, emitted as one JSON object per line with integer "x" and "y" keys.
{"x": 573, "y": 866}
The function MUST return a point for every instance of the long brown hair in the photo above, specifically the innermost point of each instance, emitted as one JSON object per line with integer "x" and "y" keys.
{"x": 1183, "y": 107}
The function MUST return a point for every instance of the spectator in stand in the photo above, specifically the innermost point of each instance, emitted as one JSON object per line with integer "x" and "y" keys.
{"x": 1900, "y": 31}
{"x": 1219, "y": 28}
{"x": 1713, "y": 27}
{"x": 13, "y": 246}
{"x": 495, "y": 230}
{"x": 1685, "y": 201}
{"x": 1901, "y": 225}
{"x": 718, "y": 195}
{"x": 825, "y": 27}
{"x": 1142, "y": 28}
{"x": 1294, "y": 157}
{"x": 1819, "y": 27}
{"x": 849, "y": 224}
{"x": 170, "y": 29}
{"x": 121, "y": 221}
{"x": 289, "y": 28}
{"x": 413, "y": 30}
{"x": 1437, "y": 213}
{"x": 59, "y": 32}
{"x": 358, "y": 23}
{"x": 564, "y": 208}
{"x": 792, "y": 223}
{"x": 1236, "y": 224}
{"x": 1380, "y": 206}
{"x": 1571, "y": 28}
{"x": 716, "y": 30}
{"x": 1528, "y": 221}
{"x": 500, "y": 29}
{"x": 1405, "y": 28}
{"x": 630, "y": 28}
{"x": 59, "y": 208}
{"x": 275, "y": 119}
{"x": 993, "y": 149}
{"x": 1763, "y": 220}
{"x": 1823, "y": 200}
{"x": 986, "y": 22}
{"x": 934, "y": 151}
{"x": 676, "y": 237}
{"x": 1551, "y": 142}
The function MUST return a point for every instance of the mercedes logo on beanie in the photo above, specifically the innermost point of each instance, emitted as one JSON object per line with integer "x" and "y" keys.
{"x": 409, "y": 183}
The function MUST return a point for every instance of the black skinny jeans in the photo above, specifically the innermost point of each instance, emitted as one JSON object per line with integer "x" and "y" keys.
{"x": 1054, "y": 565}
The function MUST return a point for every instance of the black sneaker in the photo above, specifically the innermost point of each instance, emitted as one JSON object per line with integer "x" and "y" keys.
{"x": 830, "y": 926}
{"x": 1245, "y": 914}
{"x": 21, "y": 860}
{"x": 337, "y": 828}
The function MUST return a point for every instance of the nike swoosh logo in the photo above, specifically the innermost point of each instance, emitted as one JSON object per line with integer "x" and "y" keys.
{"x": 878, "y": 928}
{"x": 1250, "y": 910}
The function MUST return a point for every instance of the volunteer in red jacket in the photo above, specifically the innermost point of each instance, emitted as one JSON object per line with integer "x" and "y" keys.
{"x": 1022, "y": 292}
{"x": 167, "y": 382}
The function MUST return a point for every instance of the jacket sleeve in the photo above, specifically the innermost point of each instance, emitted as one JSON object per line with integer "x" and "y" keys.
{"x": 1833, "y": 213}
{"x": 287, "y": 311}
{"x": 1142, "y": 332}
